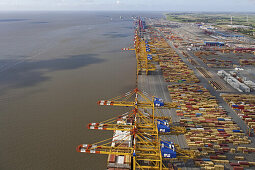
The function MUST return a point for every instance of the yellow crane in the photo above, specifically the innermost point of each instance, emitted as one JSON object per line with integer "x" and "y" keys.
{"x": 112, "y": 124}
{"x": 137, "y": 99}
{"x": 143, "y": 56}
{"x": 127, "y": 100}
{"x": 137, "y": 133}
{"x": 146, "y": 148}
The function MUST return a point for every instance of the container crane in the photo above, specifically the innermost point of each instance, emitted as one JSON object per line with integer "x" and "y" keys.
{"x": 163, "y": 125}
{"x": 137, "y": 134}
{"x": 143, "y": 52}
{"x": 124, "y": 100}
{"x": 143, "y": 56}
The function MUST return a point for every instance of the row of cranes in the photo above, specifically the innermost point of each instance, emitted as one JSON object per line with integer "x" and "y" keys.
{"x": 143, "y": 50}
{"x": 139, "y": 133}
{"x": 144, "y": 57}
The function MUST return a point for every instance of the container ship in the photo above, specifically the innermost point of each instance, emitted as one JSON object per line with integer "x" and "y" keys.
{"x": 121, "y": 162}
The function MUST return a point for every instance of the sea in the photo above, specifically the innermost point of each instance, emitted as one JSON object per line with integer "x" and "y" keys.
{"x": 54, "y": 67}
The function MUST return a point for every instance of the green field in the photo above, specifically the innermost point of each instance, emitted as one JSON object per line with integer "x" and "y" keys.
{"x": 213, "y": 18}
{"x": 217, "y": 19}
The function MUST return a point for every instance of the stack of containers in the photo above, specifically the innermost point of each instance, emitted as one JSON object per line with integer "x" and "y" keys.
{"x": 175, "y": 70}
{"x": 247, "y": 61}
{"x": 170, "y": 35}
{"x": 209, "y": 129}
{"x": 244, "y": 106}
{"x": 213, "y": 62}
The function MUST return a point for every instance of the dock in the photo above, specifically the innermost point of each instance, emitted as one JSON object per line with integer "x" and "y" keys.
{"x": 185, "y": 115}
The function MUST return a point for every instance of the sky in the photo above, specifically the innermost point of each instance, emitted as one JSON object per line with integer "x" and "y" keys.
{"x": 136, "y": 5}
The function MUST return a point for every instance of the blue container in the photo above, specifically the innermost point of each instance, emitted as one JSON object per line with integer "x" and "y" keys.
{"x": 158, "y": 103}
{"x": 237, "y": 131}
{"x": 168, "y": 153}
{"x": 221, "y": 119}
{"x": 198, "y": 114}
{"x": 166, "y": 144}
{"x": 221, "y": 130}
{"x": 205, "y": 159}
{"x": 163, "y": 122}
{"x": 149, "y": 57}
{"x": 163, "y": 128}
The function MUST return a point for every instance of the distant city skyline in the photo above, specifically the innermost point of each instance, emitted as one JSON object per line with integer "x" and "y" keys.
{"x": 135, "y": 5}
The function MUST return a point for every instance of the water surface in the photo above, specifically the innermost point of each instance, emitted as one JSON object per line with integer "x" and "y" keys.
{"x": 54, "y": 67}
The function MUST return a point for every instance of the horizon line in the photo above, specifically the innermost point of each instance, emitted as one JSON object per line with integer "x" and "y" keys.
{"x": 99, "y": 10}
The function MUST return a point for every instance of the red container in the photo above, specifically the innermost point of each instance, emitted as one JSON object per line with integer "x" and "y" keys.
{"x": 237, "y": 168}
{"x": 243, "y": 163}
{"x": 234, "y": 164}
{"x": 111, "y": 158}
{"x": 214, "y": 157}
{"x": 210, "y": 145}
{"x": 226, "y": 145}
{"x": 241, "y": 107}
{"x": 226, "y": 149}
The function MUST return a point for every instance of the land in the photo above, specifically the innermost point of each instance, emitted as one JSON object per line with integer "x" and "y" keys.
{"x": 241, "y": 22}
{"x": 186, "y": 33}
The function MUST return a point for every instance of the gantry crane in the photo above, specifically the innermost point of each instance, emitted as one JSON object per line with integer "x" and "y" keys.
{"x": 112, "y": 124}
{"x": 127, "y": 100}
{"x": 143, "y": 51}
{"x": 143, "y": 56}
{"x": 138, "y": 133}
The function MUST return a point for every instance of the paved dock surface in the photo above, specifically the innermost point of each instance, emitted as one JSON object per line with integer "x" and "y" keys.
{"x": 155, "y": 85}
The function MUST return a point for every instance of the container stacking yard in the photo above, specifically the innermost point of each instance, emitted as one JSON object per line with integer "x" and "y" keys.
{"x": 177, "y": 120}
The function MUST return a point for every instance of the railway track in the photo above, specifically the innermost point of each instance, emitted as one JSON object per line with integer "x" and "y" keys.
{"x": 204, "y": 72}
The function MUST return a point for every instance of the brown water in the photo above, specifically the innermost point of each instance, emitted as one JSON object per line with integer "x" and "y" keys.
{"x": 54, "y": 67}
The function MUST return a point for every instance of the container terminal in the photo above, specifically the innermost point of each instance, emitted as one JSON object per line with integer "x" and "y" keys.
{"x": 194, "y": 102}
